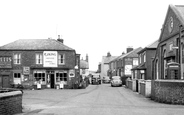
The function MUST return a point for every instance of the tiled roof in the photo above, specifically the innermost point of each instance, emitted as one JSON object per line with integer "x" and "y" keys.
{"x": 108, "y": 59}
{"x": 35, "y": 44}
{"x": 84, "y": 64}
{"x": 153, "y": 45}
{"x": 133, "y": 53}
{"x": 179, "y": 10}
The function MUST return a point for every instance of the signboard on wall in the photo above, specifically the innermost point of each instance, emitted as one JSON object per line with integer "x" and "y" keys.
{"x": 5, "y": 62}
{"x": 128, "y": 69}
{"x": 26, "y": 70}
{"x": 71, "y": 73}
{"x": 50, "y": 59}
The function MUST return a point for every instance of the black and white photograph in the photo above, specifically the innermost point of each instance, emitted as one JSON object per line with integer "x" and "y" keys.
{"x": 91, "y": 57}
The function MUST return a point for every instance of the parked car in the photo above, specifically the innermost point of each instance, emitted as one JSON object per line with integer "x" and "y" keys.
{"x": 106, "y": 79}
{"x": 95, "y": 79}
{"x": 116, "y": 81}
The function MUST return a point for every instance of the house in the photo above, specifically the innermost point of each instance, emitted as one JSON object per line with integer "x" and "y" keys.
{"x": 45, "y": 61}
{"x": 142, "y": 74}
{"x": 168, "y": 64}
{"x": 84, "y": 66}
{"x": 105, "y": 64}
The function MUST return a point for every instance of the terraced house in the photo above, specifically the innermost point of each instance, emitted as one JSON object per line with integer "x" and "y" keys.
{"x": 45, "y": 61}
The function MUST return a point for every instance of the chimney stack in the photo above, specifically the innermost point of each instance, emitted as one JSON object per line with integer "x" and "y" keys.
{"x": 87, "y": 57}
{"x": 108, "y": 54}
{"x": 60, "y": 39}
{"x": 129, "y": 49}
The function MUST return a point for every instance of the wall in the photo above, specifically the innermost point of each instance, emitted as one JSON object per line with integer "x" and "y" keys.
{"x": 149, "y": 55}
{"x": 10, "y": 103}
{"x": 168, "y": 91}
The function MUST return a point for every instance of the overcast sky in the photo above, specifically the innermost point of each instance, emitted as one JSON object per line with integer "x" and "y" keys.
{"x": 92, "y": 27}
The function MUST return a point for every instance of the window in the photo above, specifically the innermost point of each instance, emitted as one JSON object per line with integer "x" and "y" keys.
{"x": 144, "y": 57}
{"x": 39, "y": 75}
{"x": 39, "y": 59}
{"x": 17, "y": 78}
{"x": 17, "y": 75}
{"x": 61, "y": 76}
{"x": 17, "y": 58}
{"x": 140, "y": 59}
{"x": 61, "y": 59}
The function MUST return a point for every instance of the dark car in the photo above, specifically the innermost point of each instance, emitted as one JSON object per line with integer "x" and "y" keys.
{"x": 96, "y": 79}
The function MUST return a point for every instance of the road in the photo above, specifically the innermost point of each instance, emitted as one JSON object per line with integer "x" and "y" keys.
{"x": 94, "y": 100}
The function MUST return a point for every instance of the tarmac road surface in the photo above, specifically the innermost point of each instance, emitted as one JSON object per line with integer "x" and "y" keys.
{"x": 94, "y": 100}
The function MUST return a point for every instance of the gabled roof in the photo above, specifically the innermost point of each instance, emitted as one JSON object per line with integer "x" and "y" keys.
{"x": 35, "y": 44}
{"x": 178, "y": 11}
{"x": 108, "y": 59}
{"x": 150, "y": 46}
{"x": 133, "y": 53}
{"x": 84, "y": 64}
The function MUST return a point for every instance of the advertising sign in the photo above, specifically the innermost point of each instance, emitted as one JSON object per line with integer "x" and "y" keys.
{"x": 128, "y": 69}
{"x": 71, "y": 73}
{"x": 5, "y": 62}
{"x": 50, "y": 59}
{"x": 26, "y": 70}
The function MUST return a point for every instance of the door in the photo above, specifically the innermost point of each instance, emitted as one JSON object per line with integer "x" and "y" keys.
{"x": 5, "y": 81}
{"x": 52, "y": 80}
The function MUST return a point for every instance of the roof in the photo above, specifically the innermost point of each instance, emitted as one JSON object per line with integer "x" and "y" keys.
{"x": 133, "y": 53}
{"x": 150, "y": 46}
{"x": 84, "y": 64}
{"x": 179, "y": 10}
{"x": 140, "y": 67}
{"x": 108, "y": 59}
{"x": 35, "y": 44}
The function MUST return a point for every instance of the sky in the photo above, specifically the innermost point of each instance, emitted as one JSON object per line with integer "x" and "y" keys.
{"x": 92, "y": 27}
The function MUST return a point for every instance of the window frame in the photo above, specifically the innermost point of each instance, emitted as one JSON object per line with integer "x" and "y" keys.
{"x": 39, "y": 59}
{"x": 63, "y": 59}
{"x": 17, "y": 58}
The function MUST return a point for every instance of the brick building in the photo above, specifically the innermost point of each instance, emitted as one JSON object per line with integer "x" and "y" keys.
{"x": 168, "y": 64}
{"x": 32, "y": 61}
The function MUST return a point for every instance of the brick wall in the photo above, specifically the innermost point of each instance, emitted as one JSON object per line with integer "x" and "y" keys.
{"x": 10, "y": 103}
{"x": 168, "y": 91}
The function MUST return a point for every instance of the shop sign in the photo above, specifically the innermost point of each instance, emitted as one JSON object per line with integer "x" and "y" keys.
{"x": 5, "y": 62}
{"x": 50, "y": 59}
{"x": 26, "y": 70}
{"x": 71, "y": 73}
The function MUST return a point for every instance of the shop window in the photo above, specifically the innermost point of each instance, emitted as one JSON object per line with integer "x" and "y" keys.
{"x": 40, "y": 76}
{"x": 17, "y": 78}
{"x": 61, "y": 76}
{"x": 61, "y": 59}
{"x": 17, "y": 58}
{"x": 39, "y": 59}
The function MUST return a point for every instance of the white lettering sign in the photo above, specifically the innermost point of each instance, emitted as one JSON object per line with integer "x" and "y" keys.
{"x": 50, "y": 59}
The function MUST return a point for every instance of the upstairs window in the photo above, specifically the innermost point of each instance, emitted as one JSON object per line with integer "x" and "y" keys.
{"x": 17, "y": 58}
{"x": 61, "y": 59}
{"x": 39, "y": 59}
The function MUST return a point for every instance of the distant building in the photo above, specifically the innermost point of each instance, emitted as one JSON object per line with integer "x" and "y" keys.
{"x": 45, "y": 61}
{"x": 105, "y": 64}
{"x": 84, "y": 66}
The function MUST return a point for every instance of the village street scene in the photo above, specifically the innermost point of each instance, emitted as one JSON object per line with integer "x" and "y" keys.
{"x": 49, "y": 76}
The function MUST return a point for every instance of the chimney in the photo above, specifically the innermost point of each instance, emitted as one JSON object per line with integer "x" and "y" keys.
{"x": 87, "y": 57}
{"x": 60, "y": 39}
{"x": 129, "y": 49}
{"x": 123, "y": 53}
{"x": 108, "y": 54}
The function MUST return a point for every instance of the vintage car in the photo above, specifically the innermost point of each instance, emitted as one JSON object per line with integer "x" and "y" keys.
{"x": 95, "y": 79}
{"x": 116, "y": 81}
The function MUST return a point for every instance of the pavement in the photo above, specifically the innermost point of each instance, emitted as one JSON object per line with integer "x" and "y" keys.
{"x": 94, "y": 100}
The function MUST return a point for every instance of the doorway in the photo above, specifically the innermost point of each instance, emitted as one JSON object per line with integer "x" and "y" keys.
{"x": 5, "y": 81}
{"x": 52, "y": 80}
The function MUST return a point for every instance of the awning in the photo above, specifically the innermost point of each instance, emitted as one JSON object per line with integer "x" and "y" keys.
{"x": 140, "y": 67}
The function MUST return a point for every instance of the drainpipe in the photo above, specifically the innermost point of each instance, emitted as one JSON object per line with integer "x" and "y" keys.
{"x": 180, "y": 51}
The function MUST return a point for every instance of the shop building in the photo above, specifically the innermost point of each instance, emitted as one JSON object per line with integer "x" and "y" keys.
{"x": 32, "y": 61}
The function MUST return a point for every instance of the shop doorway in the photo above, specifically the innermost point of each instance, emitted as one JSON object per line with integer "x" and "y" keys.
{"x": 5, "y": 81}
{"x": 52, "y": 80}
